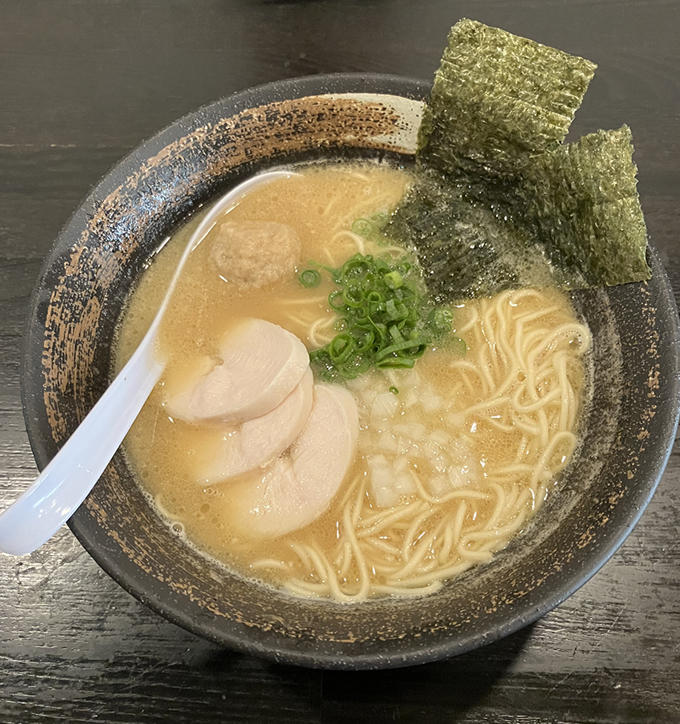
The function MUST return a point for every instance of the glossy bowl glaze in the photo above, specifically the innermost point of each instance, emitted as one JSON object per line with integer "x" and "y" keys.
{"x": 629, "y": 428}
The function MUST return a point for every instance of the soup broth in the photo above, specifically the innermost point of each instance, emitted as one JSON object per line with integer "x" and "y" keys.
{"x": 453, "y": 456}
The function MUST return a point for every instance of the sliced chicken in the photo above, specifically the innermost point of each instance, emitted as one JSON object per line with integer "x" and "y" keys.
{"x": 259, "y": 441}
{"x": 300, "y": 486}
{"x": 254, "y": 254}
{"x": 261, "y": 364}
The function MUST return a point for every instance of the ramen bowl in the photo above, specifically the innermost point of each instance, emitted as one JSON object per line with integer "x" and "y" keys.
{"x": 627, "y": 430}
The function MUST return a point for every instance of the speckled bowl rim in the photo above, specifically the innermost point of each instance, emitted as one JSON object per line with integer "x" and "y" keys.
{"x": 529, "y": 609}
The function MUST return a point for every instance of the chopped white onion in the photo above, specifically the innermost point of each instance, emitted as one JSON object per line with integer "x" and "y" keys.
{"x": 460, "y": 477}
{"x": 438, "y": 485}
{"x": 457, "y": 419}
{"x": 414, "y": 431}
{"x": 400, "y": 464}
{"x": 431, "y": 403}
{"x": 440, "y": 437}
{"x": 410, "y": 398}
{"x": 440, "y": 454}
{"x": 383, "y": 488}
{"x": 384, "y": 406}
{"x": 387, "y": 442}
{"x": 404, "y": 484}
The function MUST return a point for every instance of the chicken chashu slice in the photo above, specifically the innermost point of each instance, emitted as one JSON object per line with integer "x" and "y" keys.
{"x": 300, "y": 485}
{"x": 261, "y": 364}
{"x": 237, "y": 450}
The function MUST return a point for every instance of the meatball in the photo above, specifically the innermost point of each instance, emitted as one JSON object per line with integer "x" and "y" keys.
{"x": 255, "y": 254}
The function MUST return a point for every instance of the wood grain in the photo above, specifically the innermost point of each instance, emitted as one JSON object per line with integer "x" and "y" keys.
{"x": 81, "y": 83}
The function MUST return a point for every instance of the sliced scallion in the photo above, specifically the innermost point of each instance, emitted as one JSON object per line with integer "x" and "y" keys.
{"x": 310, "y": 278}
{"x": 384, "y": 320}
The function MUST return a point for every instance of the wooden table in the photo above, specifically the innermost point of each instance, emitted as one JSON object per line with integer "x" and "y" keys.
{"x": 81, "y": 83}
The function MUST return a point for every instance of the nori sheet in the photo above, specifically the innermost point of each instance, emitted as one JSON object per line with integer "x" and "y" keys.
{"x": 465, "y": 249}
{"x": 583, "y": 206}
{"x": 496, "y": 96}
{"x": 499, "y": 200}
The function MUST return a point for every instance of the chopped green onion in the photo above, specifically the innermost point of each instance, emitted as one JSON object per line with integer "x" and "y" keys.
{"x": 353, "y": 295}
{"x": 310, "y": 278}
{"x": 458, "y": 346}
{"x": 371, "y": 228}
{"x": 363, "y": 227}
{"x": 385, "y": 320}
{"x": 396, "y": 334}
{"x": 332, "y": 300}
{"x": 341, "y": 347}
{"x": 363, "y": 338}
{"x": 394, "y": 390}
{"x": 394, "y": 280}
{"x": 396, "y": 362}
{"x": 416, "y": 349}
{"x": 329, "y": 269}
{"x": 440, "y": 321}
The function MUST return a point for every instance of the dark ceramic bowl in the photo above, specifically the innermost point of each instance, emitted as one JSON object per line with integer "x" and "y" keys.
{"x": 90, "y": 273}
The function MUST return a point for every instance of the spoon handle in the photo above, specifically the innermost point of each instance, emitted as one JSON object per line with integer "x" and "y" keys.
{"x": 63, "y": 485}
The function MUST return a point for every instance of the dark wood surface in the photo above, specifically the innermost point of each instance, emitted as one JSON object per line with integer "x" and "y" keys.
{"x": 81, "y": 83}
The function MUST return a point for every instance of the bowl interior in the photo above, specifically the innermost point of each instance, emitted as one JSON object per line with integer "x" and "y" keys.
{"x": 628, "y": 430}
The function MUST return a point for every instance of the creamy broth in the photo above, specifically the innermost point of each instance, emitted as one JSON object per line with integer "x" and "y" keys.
{"x": 474, "y": 442}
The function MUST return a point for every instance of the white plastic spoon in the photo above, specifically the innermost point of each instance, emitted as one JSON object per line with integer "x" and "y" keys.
{"x": 63, "y": 485}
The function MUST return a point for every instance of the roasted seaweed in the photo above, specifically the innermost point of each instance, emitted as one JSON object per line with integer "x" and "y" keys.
{"x": 496, "y": 97}
{"x": 464, "y": 248}
{"x": 583, "y": 206}
{"x": 499, "y": 200}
